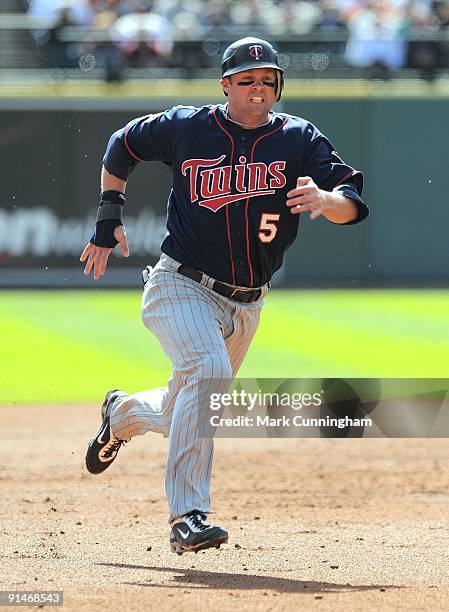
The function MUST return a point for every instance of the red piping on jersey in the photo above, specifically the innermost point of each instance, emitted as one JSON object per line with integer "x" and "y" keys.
{"x": 345, "y": 177}
{"x": 251, "y": 275}
{"x": 227, "y": 207}
{"x": 127, "y": 146}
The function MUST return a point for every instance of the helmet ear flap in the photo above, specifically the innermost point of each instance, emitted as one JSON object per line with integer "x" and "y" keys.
{"x": 279, "y": 84}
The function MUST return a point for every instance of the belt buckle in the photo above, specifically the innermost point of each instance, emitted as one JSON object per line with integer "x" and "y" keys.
{"x": 248, "y": 295}
{"x": 241, "y": 293}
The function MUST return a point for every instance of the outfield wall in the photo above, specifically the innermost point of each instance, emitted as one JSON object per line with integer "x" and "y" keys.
{"x": 50, "y": 153}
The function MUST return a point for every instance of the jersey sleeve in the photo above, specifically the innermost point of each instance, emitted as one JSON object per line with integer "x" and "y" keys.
{"x": 330, "y": 172}
{"x": 146, "y": 138}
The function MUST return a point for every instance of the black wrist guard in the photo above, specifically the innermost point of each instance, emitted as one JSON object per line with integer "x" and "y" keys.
{"x": 109, "y": 216}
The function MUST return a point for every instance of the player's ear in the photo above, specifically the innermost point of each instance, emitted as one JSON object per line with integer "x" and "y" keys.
{"x": 225, "y": 84}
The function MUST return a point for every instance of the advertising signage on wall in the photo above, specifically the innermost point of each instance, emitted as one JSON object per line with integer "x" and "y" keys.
{"x": 50, "y": 195}
{"x": 41, "y": 232}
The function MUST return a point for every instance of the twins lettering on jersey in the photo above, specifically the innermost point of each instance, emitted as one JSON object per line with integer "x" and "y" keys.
{"x": 218, "y": 185}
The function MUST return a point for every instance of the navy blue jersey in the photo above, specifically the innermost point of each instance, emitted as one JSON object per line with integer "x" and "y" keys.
{"x": 227, "y": 213}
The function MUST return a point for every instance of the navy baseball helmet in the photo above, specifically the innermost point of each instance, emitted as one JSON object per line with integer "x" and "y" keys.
{"x": 249, "y": 53}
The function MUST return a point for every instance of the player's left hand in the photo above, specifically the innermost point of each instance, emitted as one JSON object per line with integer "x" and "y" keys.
{"x": 307, "y": 196}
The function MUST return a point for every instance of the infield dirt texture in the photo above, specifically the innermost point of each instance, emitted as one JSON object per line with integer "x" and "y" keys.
{"x": 314, "y": 524}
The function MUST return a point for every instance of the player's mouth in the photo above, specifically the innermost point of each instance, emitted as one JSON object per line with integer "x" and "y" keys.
{"x": 257, "y": 99}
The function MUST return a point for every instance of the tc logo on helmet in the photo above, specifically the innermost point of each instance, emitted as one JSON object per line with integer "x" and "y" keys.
{"x": 256, "y": 51}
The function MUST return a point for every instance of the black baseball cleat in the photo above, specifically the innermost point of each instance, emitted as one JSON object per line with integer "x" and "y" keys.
{"x": 104, "y": 446}
{"x": 191, "y": 534}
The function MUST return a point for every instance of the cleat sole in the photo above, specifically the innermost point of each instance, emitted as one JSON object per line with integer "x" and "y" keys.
{"x": 179, "y": 550}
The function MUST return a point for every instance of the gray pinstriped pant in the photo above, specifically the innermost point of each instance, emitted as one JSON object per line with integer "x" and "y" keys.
{"x": 206, "y": 336}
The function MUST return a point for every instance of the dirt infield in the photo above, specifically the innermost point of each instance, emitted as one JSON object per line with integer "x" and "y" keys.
{"x": 314, "y": 524}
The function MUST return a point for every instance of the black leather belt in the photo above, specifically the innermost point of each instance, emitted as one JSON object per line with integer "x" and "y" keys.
{"x": 233, "y": 293}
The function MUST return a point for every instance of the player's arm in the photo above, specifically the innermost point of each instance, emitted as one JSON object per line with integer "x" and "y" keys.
{"x": 145, "y": 138}
{"x": 109, "y": 182}
{"x": 118, "y": 162}
{"x": 108, "y": 231}
{"x": 333, "y": 205}
{"x": 327, "y": 186}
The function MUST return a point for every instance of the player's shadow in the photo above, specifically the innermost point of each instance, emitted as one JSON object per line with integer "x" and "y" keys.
{"x": 230, "y": 581}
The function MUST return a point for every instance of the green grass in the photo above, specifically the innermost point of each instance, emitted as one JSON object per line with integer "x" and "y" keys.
{"x": 66, "y": 347}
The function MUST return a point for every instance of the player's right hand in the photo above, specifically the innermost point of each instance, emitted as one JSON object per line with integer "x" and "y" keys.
{"x": 97, "y": 257}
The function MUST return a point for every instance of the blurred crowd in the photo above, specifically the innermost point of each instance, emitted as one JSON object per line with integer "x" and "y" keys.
{"x": 380, "y": 36}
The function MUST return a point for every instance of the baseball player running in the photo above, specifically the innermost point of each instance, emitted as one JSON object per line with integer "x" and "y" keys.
{"x": 241, "y": 176}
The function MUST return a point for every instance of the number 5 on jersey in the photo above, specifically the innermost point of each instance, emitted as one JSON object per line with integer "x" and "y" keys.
{"x": 268, "y": 229}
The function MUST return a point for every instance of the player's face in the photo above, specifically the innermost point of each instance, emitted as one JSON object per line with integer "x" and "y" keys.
{"x": 251, "y": 94}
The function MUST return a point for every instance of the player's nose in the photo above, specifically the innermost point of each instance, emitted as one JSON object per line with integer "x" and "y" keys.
{"x": 257, "y": 88}
{"x": 258, "y": 85}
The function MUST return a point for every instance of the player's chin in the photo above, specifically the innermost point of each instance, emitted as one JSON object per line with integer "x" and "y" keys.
{"x": 259, "y": 107}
